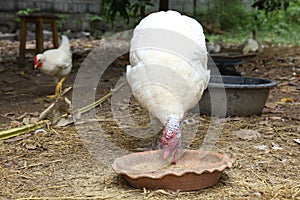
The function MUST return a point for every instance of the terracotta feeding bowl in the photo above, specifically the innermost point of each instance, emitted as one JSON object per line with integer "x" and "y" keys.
{"x": 194, "y": 170}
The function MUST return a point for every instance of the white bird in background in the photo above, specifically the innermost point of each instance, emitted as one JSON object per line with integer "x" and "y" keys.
{"x": 213, "y": 47}
{"x": 251, "y": 45}
{"x": 56, "y": 63}
{"x": 168, "y": 71}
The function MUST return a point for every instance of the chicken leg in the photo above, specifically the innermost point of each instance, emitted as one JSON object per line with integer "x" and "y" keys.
{"x": 58, "y": 88}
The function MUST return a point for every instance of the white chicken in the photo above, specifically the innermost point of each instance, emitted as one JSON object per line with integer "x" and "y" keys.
{"x": 168, "y": 71}
{"x": 56, "y": 63}
{"x": 213, "y": 47}
{"x": 251, "y": 45}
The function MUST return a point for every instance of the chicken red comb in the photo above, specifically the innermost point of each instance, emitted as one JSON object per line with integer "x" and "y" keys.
{"x": 35, "y": 59}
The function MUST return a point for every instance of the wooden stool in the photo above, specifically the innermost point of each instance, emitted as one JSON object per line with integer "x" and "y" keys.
{"x": 39, "y": 21}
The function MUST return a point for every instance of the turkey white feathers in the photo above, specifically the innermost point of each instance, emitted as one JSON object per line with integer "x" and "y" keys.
{"x": 168, "y": 70}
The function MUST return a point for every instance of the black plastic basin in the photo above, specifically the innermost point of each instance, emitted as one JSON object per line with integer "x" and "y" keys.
{"x": 235, "y": 96}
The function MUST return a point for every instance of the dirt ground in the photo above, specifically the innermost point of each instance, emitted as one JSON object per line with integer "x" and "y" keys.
{"x": 57, "y": 163}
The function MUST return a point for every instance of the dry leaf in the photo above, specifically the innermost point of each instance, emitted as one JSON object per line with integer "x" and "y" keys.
{"x": 64, "y": 122}
{"x": 271, "y": 105}
{"x": 31, "y": 146}
{"x": 15, "y": 124}
{"x": 261, "y": 147}
{"x": 297, "y": 141}
{"x": 26, "y": 120}
{"x": 247, "y": 134}
{"x": 162, "y": 192}
{"x": 276, "y": 146}
{"x": 56, "y": 116}
{"x": 21, "y": 73}
{"x": 286, "y": 89}
{"x": 276, "y": 118}
{"x": 284, "y": 100}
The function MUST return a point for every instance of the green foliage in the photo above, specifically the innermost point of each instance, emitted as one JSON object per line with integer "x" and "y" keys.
{"x": 95, "y": 22}
{"x": 126, "y": 9}
{"x": 270, "y": 6}
{"x": 223, "y": 14}
{"x": 26, "y": 11}
{"x": 235, "y": 16}
{"x": 95, "y": 18}
{"x": 292, "y": 14}
{"x": 111, "y": 8}
{"x": 276, "y": 21}
{"x": 138, "y": 8}
{"x": 282, "y": 26}
{"x": 62, "y": 20}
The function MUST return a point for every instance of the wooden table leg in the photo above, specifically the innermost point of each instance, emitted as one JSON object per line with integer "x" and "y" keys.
{"x": 39, "y": 35}
{"x": 22, "y": 37}
{"x": 54, "y": 33}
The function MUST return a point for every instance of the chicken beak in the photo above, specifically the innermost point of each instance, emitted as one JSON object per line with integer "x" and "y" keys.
{"x": 35, "y": 66}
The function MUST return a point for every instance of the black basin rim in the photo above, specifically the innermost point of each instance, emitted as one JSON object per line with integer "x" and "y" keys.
{"x": 266, "y": 83}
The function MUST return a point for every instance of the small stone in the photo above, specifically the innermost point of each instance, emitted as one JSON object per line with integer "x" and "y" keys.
{"x": 257, "y": 194}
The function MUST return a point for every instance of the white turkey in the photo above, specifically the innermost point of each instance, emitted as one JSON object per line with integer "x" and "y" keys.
{"x": 168, "y": 71}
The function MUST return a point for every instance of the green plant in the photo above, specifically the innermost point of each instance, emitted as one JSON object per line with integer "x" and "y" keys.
{"x": 95, "y": 25}
{"x": 269, "y": 6}
{"x": 138, "y": 8}
{"x": 26, "y": 11}
{"x": 95, "y": 18}
{"x": 235, "y": 16}
{"x": 111, "y": 8}
{"x": 126, "y": 9}
{"x": 62, "y": 20}
{"x": 237, "y": 22}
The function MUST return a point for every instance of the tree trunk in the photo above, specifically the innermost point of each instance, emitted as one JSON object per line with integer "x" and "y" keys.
{"x": 163, "y": 5}
{"x": 194, "y": 8}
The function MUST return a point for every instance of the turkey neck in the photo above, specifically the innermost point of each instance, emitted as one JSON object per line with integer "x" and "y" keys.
{"x": 173, "y": 123}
